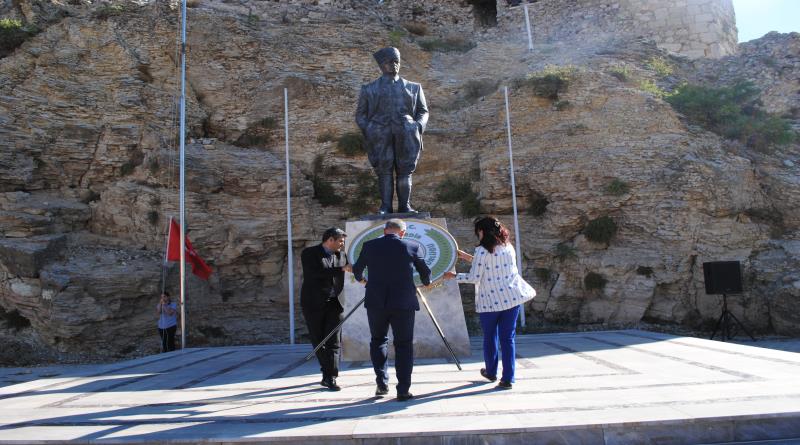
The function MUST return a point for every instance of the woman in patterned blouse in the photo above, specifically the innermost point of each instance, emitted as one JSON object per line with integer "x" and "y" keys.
{"x": 499, "y": 292}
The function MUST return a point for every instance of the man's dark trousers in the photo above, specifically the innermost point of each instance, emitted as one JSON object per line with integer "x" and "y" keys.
{"x": 320, "y": 323}
{"x": 402, "y": 323}
{"x": 391, "y": 300}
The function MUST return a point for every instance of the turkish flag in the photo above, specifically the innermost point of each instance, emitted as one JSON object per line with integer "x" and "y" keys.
{"x": 199, "y": 267}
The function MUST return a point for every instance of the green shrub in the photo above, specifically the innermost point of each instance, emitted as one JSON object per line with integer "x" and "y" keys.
{"x": 471, "y": 205}
{"x": 106, "y": 11}
{"x": 249, "y": 139}
{"x": 475, "y": 89}
{"x": 365, "y": 200}
{"x": 453, "y": 189}
{"x": 127, "y": 168}
{"x": 573, "y": 129}
{"x": 538, "y": 205}
{"x": 396, "y": 36}
{"x": 416, "y": 28}
{"x": 548, "y": 83}
{"x": 649, "y": 86}
{"x": 594, "y": 281}
{"x": 601, "y": 230}
{"x": 152, "y": 217}
{"x": 733, "y": 112}
{"x": 562, "y": 105}
{"x": 325, "y": 193}
{"x": 621, "y": 72}
{"x": 12, "y": 34}
{"x": 326, "y": 136}
{"x": 548, "y": 86}
{"x": 253, "y": 19}
{"x": 447, "y": 45}
{"x": 617, "y": 187}
{"x": 647, "y": 271}
{"x": 351, "y": 144}
{"x": 660, "y": 66}
{"x": 268, "y": 123}
{"x": 564, "y": 251}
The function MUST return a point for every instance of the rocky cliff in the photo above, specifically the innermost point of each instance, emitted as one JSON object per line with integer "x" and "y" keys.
{"x": 87, "y": 148}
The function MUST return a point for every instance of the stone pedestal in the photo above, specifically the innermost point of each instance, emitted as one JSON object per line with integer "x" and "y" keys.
{"x": 444, "y": 301}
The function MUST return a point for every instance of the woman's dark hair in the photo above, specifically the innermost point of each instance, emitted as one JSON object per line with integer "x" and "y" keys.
{"x": 494, "y": 232}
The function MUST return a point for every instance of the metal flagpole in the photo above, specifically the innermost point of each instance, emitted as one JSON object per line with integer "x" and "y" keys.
{"x": 514, "y": 197}
{"x": 528, "y": 25}
{"x": 164, "y": 263}
{"x": 290, "y": 267}
{"x": 183, "y": 174}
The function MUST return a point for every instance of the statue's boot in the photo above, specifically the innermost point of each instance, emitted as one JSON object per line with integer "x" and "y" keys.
{"x": 404, "y": 194}
{"x": 386, "y": 190}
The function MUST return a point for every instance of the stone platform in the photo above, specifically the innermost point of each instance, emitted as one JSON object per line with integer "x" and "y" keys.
{"x": 616, "y": 387}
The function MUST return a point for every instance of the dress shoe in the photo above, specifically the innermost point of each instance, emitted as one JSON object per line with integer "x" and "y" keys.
{"x": 404, "y": 397}
{"x": 491, "y": 378}
{"x": 502, "y": 384}
{"x": 330, "y": 383}
{"x": 381, "y": 391}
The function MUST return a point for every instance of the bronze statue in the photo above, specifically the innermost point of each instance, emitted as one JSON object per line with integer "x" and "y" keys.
{"x": 392, "y": 115}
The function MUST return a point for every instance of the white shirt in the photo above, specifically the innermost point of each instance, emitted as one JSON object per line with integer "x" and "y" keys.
{"x": 498, "y": 284}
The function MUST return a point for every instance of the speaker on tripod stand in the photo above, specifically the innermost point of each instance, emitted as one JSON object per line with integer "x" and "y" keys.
{"x": 722, "y": 278}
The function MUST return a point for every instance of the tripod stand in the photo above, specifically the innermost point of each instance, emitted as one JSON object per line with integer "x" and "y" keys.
{"x": 725, "y": 323}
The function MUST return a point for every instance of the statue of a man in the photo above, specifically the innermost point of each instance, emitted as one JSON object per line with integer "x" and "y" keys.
{"x": 392, "y": 115}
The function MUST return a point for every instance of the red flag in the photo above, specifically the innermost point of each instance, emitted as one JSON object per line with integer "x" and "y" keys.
{"x": 199, "y": 267}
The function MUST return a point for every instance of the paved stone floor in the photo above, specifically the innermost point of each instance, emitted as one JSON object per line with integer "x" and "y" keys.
{"x": 615, "y": 387}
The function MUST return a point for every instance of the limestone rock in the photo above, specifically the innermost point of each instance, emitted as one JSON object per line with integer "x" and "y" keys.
{"x": 88, "y": 163}
{"x": 26, "y": 256}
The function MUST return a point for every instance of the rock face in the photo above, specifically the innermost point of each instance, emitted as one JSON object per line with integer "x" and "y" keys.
{"x": 691, "y": 28}
{"x": 88, "y": 163}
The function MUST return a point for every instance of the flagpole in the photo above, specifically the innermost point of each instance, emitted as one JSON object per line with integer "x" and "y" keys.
{"x": 164, "y": 263}
{"x": 528, "y": 25}
{"x": 290, "y": 266}
{"x": 514, "y": 196}
{"x": 183, "y": 174}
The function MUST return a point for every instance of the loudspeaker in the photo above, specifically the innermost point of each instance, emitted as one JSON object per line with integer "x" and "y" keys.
{"x": 723, "y": 277}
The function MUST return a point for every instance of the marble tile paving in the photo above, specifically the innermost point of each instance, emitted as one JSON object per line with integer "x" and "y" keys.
{"x": 614, "y": 387}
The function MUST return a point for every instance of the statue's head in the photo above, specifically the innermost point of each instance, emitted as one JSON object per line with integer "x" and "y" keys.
{"x": 389, "y": 60}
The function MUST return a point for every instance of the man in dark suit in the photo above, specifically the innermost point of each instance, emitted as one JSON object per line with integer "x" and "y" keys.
{"x": 391, "y": 300}
{"x": 392, "y": 114}
{"x": 324, "y": 266}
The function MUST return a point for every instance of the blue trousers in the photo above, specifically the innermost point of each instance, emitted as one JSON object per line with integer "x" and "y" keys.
{"x": 498, "y": 327}
{"x": 402, "y": 323}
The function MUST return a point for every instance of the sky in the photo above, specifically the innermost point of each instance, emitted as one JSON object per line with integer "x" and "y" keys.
{"x": 754, "y": 18}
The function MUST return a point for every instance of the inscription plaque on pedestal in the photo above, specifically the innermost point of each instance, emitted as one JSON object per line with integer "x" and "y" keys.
{"x": 439, "y": 250}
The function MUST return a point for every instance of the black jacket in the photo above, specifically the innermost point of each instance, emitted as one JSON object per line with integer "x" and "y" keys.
{"x": 390, "y": 262}
{"x": 323, "y": 277}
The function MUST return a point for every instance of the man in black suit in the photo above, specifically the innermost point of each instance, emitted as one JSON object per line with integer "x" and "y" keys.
{"x": 391, "y": 300}
{"x": 324, "y": 266}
